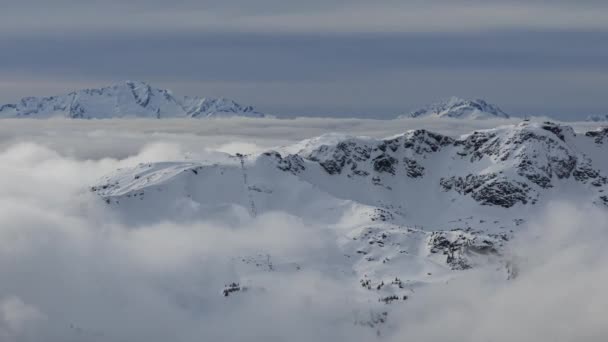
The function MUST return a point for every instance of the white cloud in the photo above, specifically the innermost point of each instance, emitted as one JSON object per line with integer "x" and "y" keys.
{"x": 65, "y": 259}
{"x": 556, "y": 296}
{"x": 16, "y": 318}
{"x": 155, "y": 140}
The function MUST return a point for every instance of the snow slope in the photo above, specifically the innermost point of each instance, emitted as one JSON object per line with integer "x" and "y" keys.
{"x": 493, "y": 172}
{"x": 455, "y": 107}
{"x": 406, "y": 211}
{"x": 126, "y": 99}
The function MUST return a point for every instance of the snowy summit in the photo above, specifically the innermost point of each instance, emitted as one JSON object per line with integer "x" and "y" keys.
{"x": 455, "y": 107}
{"x": 125, "y": 99}
{"x": 420, "y": 206}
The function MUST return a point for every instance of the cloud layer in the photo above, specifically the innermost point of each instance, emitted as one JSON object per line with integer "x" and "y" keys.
{"x": 71, "y": 271}
{"x": 556, "y": 295}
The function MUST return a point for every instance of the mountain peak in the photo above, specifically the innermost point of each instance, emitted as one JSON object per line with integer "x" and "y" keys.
{"x": 597, "y": 118}
{"x": 125, "y": 99}
{"x": 455, "y": 107}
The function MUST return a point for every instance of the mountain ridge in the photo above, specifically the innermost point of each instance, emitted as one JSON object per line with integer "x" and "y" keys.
{"x": 407, "y": 211}
{"x": 455, "y": 107}
{"x": 125, "y": 100}
{"x": 502, "y": 167}
{"x": 597, "y": 118}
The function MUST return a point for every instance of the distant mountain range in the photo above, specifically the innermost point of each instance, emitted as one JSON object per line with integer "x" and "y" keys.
{"x": 455, "y": 107}
{"x": 136, "y": 99}
{"x": 129, "y": 99}
{"x": 597, "y": 118}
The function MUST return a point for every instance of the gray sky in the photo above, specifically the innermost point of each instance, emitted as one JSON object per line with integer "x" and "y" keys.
{"x": 332, "y": 57}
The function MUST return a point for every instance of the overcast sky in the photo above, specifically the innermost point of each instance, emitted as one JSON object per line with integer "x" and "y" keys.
{"x": 330, "y": 57}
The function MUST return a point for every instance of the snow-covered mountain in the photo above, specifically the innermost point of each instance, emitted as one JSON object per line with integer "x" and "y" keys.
{"x": 455, "y": 107}
{"x": 410, "y": 175}
{"x": 597, "y": 118}
{"x": 126, "y": 99}
{"x": 408, "y": 210}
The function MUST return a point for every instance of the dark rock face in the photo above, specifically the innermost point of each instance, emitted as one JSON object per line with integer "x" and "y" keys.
{"x": 343, "y": 153}
{"x": 539, "y": 155}
{"x": 333, "y": 167}
{"x": 233, "y": 288}
{"x": 422, "y": 141}
{"x": 542, "y": 175}
{"x": 458, "y": 247}
{"x": 381, "y": 215}
{"x": 141, "y": 99}
{"x": 538, "y": 175}
{"x": 585, "y": 173}
{"x": 385, "y": 163}
{"x": 413, "y": 169}
{"x": 563, "y": 167}
{"x": 478, "y": 144}
{"x": 383, "y": 156}
{"x": 7, "y": 107}
{"x": 599, "y": 136}
{"x": 542, "y": 157}
{"x": 77, "y": 111}
{"x": 292, "y": 163}
{"x": 489, "y": 189}
{"x": 104, "y": 187}
{"x": 503, "y": 193}
{"x": 466, "y": 185}
{"x": 555, "y": 129}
